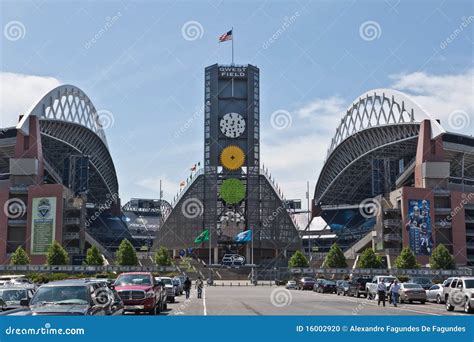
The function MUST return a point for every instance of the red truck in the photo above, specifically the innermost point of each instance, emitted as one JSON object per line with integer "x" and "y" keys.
{"x": 140, "y": 292}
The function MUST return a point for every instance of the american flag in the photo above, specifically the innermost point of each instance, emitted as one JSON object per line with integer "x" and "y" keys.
{"x": 225, "y": 37}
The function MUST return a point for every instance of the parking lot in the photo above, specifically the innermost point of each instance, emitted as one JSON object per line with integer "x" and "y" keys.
{"x": 271, "y": 300}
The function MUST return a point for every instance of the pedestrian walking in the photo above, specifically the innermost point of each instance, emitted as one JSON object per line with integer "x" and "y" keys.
{"x": 395, "y": 290}
{"x": 187, "y": 287}
{"x": 381, "y": 291}
{"x": 389, "y": 291}
{"x": 199, "y": 286}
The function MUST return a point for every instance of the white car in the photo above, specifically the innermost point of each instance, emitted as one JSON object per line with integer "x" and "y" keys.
{"x": 291, "y": 284}
{"x": 435, "y": 294}
{"x": 170, "y": 291}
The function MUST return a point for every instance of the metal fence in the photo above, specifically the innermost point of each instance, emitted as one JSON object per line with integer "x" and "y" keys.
{"x": 84, "y": 269}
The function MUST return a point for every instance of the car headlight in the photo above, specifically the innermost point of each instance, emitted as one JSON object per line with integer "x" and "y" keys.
{"x": 149, "y": 294}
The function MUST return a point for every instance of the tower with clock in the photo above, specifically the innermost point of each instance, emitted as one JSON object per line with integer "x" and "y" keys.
{"x": 230, "y": 196}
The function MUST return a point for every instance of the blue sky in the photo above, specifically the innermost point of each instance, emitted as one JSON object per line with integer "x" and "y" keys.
{"x": 147, "y": 75}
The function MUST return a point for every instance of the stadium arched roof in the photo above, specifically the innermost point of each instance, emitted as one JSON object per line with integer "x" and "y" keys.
{"x": 70, "y": 124}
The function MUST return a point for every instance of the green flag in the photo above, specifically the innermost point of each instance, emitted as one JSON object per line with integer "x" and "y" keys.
{"x": 204, "y": 236}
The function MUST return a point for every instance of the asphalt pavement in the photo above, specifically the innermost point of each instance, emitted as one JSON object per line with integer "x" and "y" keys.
{"x": 271, "y": 300}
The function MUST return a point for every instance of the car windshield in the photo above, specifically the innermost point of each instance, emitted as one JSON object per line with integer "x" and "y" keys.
{"x": 308, "y": 279}
{"x": 388, "y": 279}
{"x": 412, "y": 286}
{"x": 330, "y": 282}
{"x": 133, "y": 279}
{"x": 61, "y": 295}
{"x": 166, "y": 281}
{"x": 469, "y": 283}
{"x": 13, "y": 296}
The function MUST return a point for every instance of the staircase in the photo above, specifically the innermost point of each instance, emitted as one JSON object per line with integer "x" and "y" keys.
{"x": 358, "y": 246}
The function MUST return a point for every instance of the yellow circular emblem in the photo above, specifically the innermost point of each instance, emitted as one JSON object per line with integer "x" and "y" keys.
{"x": 232, "y": 157}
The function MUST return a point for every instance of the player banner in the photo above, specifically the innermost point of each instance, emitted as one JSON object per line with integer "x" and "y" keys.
{"x": 419, "y": 227}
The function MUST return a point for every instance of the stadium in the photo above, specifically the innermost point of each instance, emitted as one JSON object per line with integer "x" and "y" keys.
{"x": 394, "y": 177}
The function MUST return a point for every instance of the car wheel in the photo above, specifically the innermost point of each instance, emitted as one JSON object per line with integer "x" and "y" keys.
{"x": 467, "y": 306}
{"x": 410, "y": 301}
{"x": 165, "y": 307}
{"x": 338, "y": 293}
{"x": 449, "y": 307}
{"x": 438, "y": 299}
{"x": 173, "y": 300}
{"x": 357, "y": 294}
{"x": 423, "y": 302}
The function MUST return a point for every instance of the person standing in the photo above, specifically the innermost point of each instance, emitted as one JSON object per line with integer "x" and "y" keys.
{"x": 187, "y": 287}
{"x": 381, "y": 291}
{"x": 199, "y": 286}
{"x": 395, "y": 291}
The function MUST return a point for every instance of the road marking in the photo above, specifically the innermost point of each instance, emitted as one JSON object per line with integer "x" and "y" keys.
{"x": 204, "y": 300}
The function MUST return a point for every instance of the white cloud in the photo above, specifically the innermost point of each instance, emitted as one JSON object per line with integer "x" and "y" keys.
{"x": 19, "y": 92}
{"x": 441, "y": 95}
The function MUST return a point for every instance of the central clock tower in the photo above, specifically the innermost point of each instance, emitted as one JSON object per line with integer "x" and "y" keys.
{"x": 231, "y": 152}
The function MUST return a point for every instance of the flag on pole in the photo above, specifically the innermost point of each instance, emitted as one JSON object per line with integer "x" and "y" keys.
{"x": 182, "y": 183}
{"x": 193, "y": 168}
{"x": 244, "y": 236}
{"x": 204, "y": 236}
{"x": 225, "y": 37}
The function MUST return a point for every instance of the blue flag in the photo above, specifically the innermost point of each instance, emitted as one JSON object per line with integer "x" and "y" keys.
{"x": 244, "y": 236}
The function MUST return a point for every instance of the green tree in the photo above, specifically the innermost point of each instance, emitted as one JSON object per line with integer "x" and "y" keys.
{"x": 57, "y": 255}
{"x": 441, "y": 259}
{"x": 335, "y": 257}
{"x": 93, "y": 257}
{"x": 298, "y": 260}
{"x": 368, "y": 259}
{"x": 162, "y": 257}
{"x": 406, "y": 259}
{"x": 126, "y": 254}
{"x": 19, "y": 257}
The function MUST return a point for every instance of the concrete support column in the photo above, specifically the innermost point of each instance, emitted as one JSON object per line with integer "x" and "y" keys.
{"x": 216, "y": 255}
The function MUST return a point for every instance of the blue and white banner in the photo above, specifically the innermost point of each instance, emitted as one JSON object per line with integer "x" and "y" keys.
{"x": 244, "y": 236}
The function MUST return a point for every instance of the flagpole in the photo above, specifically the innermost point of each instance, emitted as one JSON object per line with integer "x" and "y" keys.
{"x": 232, "y": 45}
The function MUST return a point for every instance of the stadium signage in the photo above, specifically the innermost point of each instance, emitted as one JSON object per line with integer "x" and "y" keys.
{"x": 230, "y": 71}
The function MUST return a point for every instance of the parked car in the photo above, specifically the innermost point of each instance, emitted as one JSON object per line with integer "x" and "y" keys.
{"x": 306, "y": 283}
{"x": 12, "y": 279}
{"x": 170, "y": 290}
{"x": 74, "y": 297}
{"x": 410, "y": 292}
{"x": 233, "y": 260}
{"x": 140, "y": 292}
{"x": 435, "y": 294}
{"x": 371, "y": 287}
{"x": 342, "y": 287}
{"x": 425, "y": 283}
{"x": 325, "y": 286}
{"x": 462, "y": 294}
{"x": 291, "y": 284}
{"x": 13, "y": 296}
{"x": 448, "y": 285}
{"x": 178, "y": 286}
{"x": 358, "y": 287}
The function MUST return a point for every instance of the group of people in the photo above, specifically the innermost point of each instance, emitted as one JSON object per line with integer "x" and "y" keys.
{"x": 393, "y": 292}
{"x": 199, "y": 284}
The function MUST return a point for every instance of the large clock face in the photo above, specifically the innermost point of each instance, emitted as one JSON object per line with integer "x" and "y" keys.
{"x": 232, "y": 125}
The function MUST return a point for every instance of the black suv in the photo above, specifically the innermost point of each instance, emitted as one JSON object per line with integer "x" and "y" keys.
{"x": 76, "y": 297}
{"x": 357, "y": 287}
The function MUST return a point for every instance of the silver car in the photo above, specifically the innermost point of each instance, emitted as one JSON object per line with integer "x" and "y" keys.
{"x": 435, "y": 294}
{"x": 461, "y": 294}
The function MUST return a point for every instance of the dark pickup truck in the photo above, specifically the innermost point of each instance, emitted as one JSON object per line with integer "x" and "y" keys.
{"x": 357, "y": 287}
{"x": 140, "y": 292}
